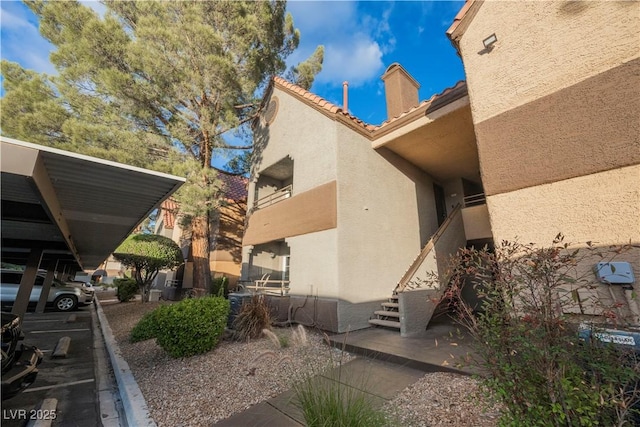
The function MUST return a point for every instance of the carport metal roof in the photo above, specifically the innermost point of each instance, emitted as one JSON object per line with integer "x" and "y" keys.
{"x": 77, "y": 208}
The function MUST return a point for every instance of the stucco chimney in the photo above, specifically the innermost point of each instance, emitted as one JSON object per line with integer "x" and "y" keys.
{"x": 401, "y": 90}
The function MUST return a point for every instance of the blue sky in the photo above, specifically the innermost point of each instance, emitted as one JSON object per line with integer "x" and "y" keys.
{"x": 361, "y": 39}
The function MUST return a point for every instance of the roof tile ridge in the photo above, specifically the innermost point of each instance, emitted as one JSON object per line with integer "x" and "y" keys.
{"x": 321, "y": 102}
{"x": 433, "y": 97}
{"x": 307, "y": 94}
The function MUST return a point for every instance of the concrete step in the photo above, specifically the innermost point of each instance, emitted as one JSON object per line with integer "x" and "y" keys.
{"x": 387, "y": 313}
{"x": 387, "y": 323}
{"x": 390, "y": 304}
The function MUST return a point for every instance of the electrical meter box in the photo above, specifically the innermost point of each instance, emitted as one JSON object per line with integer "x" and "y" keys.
{"x": 614, "y": 273}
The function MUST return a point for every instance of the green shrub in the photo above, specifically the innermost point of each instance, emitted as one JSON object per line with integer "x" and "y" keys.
{"x": 254, "y": 316}
{"x": 126, "y": 289}
{"x": 219, "y": 287}
{"x": 535, "y": 363}
{"x": 147, "y": 327}
{"x": 146, "y": 255}
{"x": 191, "y": 326}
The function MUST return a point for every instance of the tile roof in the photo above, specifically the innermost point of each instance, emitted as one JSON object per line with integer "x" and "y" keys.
{"x": 436, "y": 101}
{"x": 234, "y": 186}
{"x": 321, "y": 103}
{"x": 459, "y": 17}
{"x": 169, "y": 208}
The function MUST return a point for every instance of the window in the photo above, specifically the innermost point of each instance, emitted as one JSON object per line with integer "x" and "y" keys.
{"x": 10, "y": 278}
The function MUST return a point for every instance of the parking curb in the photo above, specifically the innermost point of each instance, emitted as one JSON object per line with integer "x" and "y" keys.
{"x": 135, "y": 406}
{"x": 62, "y": 348}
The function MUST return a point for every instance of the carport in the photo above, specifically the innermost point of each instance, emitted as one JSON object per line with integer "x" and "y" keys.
{"x": 66, "y": 212}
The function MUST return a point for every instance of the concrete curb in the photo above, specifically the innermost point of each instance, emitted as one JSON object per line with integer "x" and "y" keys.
{"x": 135, "y": 407}
{"x": 111, "y": 409}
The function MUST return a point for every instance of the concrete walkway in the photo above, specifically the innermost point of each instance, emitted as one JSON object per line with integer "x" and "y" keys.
{"x": 388, "y": 364}
{"x": 380, "y": 381}
{"x": 443, "y": 347}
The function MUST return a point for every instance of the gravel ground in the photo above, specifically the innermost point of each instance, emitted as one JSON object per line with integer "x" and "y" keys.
{"x": 204, "y": 389}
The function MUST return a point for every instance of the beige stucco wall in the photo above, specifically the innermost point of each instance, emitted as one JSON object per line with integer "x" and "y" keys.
{"x": 603, "y": 208}
{"x": 267, "y": 260}
{"x": 314, "y": 264}
{"x": 555, "y": 105}
{"x": 589, "y": 127}
{"x": 476, "y": 222}
{"x": 385, "y": 206}
{"x": 381, "y": 199}
{"x": 308, "y": 137}
{"x": 543, "y": 46}
{"x": 305, "y": 135}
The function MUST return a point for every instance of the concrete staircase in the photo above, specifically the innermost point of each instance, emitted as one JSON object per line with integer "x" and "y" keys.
{"x": 411, "y": 305}
{"x": 389, "y": 316}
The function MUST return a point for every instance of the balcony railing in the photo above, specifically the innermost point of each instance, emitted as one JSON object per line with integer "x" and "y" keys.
{"x": 474, "y": 200}
{"x": 277, "y": 196}
{"x": 172, "y": 283}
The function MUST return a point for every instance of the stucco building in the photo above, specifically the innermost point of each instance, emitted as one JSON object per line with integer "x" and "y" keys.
{"x": 556, "y": 112}
{"x": 546, "y": 127}
{"x": 340, "y": 209}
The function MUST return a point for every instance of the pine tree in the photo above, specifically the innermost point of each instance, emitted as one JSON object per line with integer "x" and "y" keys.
{"x": 160, "y": 83}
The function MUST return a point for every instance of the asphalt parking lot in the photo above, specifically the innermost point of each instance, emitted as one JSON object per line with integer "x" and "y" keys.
{"x": 75, "y": 381}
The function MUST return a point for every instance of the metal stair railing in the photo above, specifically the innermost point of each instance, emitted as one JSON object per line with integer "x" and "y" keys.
{"x": 422, "y": 256}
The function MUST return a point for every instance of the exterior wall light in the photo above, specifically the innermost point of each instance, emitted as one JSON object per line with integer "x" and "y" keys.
{"x": 490, "y": 41}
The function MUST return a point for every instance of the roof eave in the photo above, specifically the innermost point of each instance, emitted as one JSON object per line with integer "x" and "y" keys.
{"x": 462, "y": 21}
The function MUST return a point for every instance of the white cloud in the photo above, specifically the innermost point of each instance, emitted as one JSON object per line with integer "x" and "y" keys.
{"x": 356, "y": 61}
{"x": 355, "y": 37}
{"x": 323, "y": 17}
{"x": 21, "y": 40}
{"x": 13, "y": 21}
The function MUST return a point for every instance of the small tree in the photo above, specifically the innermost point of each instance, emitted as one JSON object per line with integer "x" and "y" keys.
{"x": 535, "y": 362}
{"x": 146, "y": 255}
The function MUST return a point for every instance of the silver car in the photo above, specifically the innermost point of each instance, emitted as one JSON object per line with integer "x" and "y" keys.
{"x": 61, "y": 296}
{"x": 87, "y": 289}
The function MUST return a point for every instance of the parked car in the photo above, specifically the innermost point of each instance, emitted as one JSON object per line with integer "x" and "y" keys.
{"x": 19, "y": 364}
{"x": 61, "y": 296}
{"x": 87, "y": 289}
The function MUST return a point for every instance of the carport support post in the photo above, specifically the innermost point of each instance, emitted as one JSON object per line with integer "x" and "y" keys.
{"x": 44, "y": 294}
{"x": 26, "y": 284}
